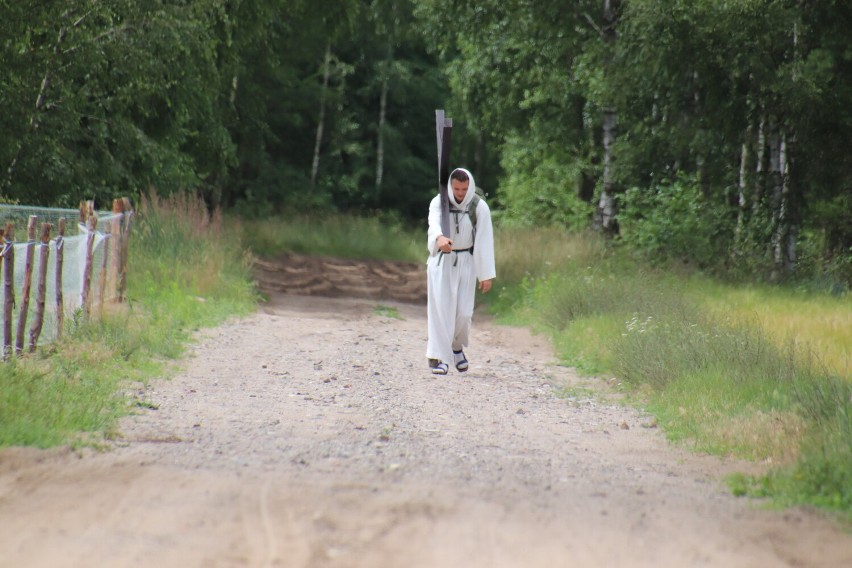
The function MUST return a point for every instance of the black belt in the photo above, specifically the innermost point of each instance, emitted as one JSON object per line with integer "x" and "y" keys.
{"x": 470, "y": 250}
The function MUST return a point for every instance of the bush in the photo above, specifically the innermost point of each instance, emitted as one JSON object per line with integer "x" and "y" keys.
{"x": 540, "y": 187}
{"x": 675, "y": 222}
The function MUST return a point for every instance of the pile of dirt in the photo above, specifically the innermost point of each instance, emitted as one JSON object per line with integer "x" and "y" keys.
{"x": 303, "y": 275}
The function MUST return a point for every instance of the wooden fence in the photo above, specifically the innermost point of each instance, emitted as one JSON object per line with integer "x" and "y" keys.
{"x": 108, "y": 286}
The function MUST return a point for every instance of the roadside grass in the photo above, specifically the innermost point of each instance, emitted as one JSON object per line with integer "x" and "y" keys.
{"x": 379, "y": 236}
{"x": 718, "y": 380}
{"x": 522, "y": 253}
{"x": 818, "y": 322}
{"x": 185, "y": 271}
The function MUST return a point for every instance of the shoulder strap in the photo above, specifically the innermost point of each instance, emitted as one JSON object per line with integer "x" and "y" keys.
{"x": 471, "y": 213}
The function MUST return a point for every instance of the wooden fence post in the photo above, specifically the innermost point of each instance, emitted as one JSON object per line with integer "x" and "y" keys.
{"x": 91, "y": 226}
{"x": 8, "y": 287}
{"x": 115, "y": 246}
{"x": 24, "y": 308}
{"x": 2, "y": 257}
{"x": 102, "y": 280}
{"x": 60, "y": 258}
{"x": 125, "y": 243}
{"x": 41, "y": 289}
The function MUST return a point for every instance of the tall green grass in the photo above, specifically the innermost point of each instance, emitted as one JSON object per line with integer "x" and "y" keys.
{"x": 185, "y": 270}
{"x": 380, "y": 236}
{"x": 715, "y": 379}
{"x": 821, "y": 322}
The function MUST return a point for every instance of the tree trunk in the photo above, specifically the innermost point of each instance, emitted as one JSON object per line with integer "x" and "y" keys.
{"x": 761, "y": 169}
{"x": 605, "y": 218}
{"x": 326, "y": 74}
{"x": 785, "y": 231}
{"x": 383, "y": 106}
{"x": 743, "y": 190}
{"x": 605, "y": 214}
{"x": 777, "y": 165}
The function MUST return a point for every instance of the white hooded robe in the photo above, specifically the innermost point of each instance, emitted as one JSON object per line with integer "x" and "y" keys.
{"x": 452, "y": 277}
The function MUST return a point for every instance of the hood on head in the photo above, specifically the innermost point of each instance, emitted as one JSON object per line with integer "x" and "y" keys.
{"x": 471, "y": 189}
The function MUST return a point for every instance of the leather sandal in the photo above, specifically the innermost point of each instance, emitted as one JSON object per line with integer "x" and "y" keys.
{"x": 460, "y": 360}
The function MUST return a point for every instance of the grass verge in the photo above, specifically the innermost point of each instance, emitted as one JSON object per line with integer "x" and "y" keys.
{"x": 185, "y": 271}
{"x": 716, "y": 379}
{"x": 379, "y": 236}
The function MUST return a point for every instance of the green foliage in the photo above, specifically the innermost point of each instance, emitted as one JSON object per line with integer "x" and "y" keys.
{"x": 701, "y": 92}
{"x": 110, "y": 99}
{"x": 675, "y": 222}
{"x": 541, "y": 186}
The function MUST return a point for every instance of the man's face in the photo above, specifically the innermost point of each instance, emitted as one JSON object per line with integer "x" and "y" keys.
{"x": 460, "y": 189}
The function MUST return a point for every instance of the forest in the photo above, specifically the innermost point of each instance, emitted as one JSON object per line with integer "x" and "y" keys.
{"x": 707, "y": 133}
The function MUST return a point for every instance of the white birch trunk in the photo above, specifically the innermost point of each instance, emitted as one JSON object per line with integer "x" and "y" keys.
{"x": 784, "y": 230}
{"x": 742, "y": 192}
{"x": 380, "y": 134}
{"x": 606, "y": 204}
{"x": 235, "y": 83}
{"x": 605, "y": 214}
{"x": 326, "y": 75}
{"x": 761, "y": 168}
{"x": 777, "y": 165}
{"x": 784, "y": 237}
{"x": 380, "y": 150}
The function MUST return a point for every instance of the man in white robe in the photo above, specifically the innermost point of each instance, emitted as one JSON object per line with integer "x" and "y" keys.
{"x": 456, "y": 262}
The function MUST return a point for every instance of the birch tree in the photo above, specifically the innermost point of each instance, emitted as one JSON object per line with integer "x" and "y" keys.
{"x": 605, "y": 215}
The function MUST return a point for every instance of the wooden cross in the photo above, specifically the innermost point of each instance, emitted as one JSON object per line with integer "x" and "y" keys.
{"x": 444, "y": 130}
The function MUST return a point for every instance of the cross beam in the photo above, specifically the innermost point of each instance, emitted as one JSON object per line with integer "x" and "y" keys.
{"x": 443, "y": 131}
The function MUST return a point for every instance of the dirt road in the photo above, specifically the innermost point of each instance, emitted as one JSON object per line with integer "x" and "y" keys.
{"x": 311, "y": 434}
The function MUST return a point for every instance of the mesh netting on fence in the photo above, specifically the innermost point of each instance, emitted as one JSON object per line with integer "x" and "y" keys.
{"x": 92, "y": 251}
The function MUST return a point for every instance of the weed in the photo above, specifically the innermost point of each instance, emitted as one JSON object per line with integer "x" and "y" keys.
{"x": 387, "y": 312}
